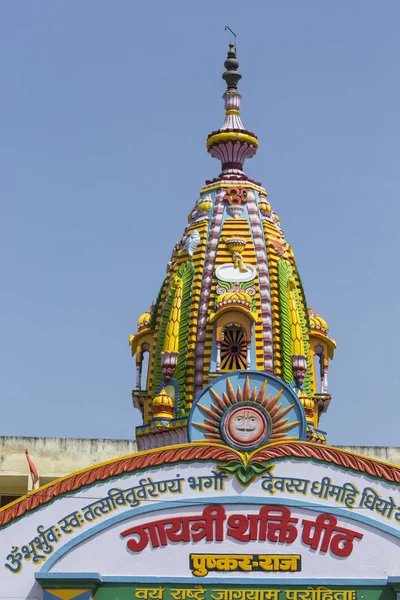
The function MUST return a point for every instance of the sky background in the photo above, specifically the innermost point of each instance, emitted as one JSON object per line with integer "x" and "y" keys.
{"x": 104, "y": 112}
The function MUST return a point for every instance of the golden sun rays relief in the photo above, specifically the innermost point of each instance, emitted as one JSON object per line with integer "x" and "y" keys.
{"x": 245, "y": 419}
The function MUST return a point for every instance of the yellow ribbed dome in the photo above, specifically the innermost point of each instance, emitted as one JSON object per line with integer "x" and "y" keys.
{"x": 163, "y": 406}
{"x": 234, "y": 297}
{"x": 318, "y": 323}
{"x": 264, "y": 207}
{"x": 163, "y": 399}
{"x": 144, "y": 320}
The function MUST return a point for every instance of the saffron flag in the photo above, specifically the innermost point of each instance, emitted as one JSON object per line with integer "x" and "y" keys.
{"x": 33, "y": 470}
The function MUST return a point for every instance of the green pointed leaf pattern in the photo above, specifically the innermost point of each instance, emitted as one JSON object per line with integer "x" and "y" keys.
{"x": 245, "y": 474}
{"x": 245, "y": 285}
{"x": 224, "y": 284}
{"x": 284, "y": 317}
{"x": 230, "y": 466}
{"x": 156, "y": 306}
{"x": 260, "y": 467}
{"x": 284, "y": 275}
{"x": 304, "y": 333}
{"x": 303, "y": 298}
{"x": 166, "y": 311}
{"x": 186, "y": 273}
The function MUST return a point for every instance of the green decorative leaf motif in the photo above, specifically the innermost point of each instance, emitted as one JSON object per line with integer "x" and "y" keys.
{"x": 245, "y": 474}
{"x": 186, "y": 273}
{"x": 230, "y": 466}
{"x": 224, "y": 284}
{"x": 166, "y": 311}
{"x": 304, "y": 334}
{"x": 284, "y": 276}
{"x": 245, "y": 285}
{"x": 259, "y": 467}
{"x": 154, "y": 315}
{"x": 284, "y": 318}
{"x": 303, "y": 298}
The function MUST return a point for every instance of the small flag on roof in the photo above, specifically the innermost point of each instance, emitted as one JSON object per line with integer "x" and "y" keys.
{"x": 32, "y": 469}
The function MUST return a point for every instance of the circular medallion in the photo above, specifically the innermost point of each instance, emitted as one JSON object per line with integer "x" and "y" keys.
{"x": 245, "y": 426}
{"x": 245, "y": 410}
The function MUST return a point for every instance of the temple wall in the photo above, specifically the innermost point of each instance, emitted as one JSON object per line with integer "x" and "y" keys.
{"x": 390, "y": 454}
{"x": 53, "y": 458}
{"x": 57, "y": 457}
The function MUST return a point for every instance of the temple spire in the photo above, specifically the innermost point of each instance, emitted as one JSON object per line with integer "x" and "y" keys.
{"x": 232, "y": 143}
{"x": 232, "y": 96}
{"x": 232, "y": 303}
{"x": 231, "y": 75}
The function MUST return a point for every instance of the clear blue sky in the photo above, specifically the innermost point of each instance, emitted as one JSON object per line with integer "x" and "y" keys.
{"x": 104, "y": 112}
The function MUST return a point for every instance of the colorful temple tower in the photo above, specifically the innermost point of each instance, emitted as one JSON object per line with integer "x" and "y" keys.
{"x": 232, "y": 299}
{"x": 228, "y": 497}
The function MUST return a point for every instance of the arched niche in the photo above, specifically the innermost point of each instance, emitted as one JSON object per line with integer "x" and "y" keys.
{"x": 142, "y": 350}
{"x": 322, "y": 351}
{"x": 233, "y": 334}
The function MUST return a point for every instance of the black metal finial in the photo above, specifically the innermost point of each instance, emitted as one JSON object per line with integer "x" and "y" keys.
{"x": 231, "y": 75}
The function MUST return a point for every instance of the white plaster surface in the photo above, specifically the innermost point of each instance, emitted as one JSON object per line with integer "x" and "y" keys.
{"x": 104, "y": 550}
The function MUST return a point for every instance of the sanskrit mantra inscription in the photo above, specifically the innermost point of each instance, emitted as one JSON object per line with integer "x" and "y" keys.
{"x": 346, "y": 494}
{"x": 198, "y": 592}
{"x": 45, "y": 541}
{"x": 272, "y": 523}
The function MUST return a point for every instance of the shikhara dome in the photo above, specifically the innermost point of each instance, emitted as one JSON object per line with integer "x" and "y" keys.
{"x": 232, "y": 299}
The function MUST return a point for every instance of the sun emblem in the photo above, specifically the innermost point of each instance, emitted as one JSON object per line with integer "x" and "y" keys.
{"x": 245, "y": 420}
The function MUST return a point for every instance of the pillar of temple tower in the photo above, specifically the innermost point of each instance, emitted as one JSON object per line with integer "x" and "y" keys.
{"x": 232, "y": 299}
